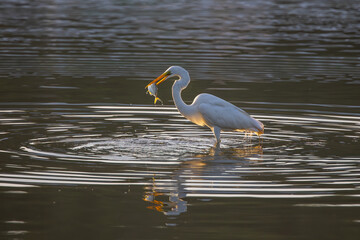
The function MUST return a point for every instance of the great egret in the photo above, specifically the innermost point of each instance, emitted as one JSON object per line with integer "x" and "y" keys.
{"x": 209, "y": 110}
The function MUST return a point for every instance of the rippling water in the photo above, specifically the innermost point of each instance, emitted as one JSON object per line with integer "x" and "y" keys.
{"x": 85, "y": 154}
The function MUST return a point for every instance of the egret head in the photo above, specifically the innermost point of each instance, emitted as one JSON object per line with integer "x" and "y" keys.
{"x": 176, "y": 71}
{"x": 170, "y": 72}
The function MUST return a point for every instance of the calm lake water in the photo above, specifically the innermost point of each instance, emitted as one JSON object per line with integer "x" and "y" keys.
{"x": 84, "y": 153}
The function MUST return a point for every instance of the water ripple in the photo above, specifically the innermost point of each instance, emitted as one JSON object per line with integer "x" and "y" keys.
{"x": 168, "y": 155}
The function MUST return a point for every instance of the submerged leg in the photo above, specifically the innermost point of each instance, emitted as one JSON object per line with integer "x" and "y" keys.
{"x": 246, "y": 136}
{"x": 216, "y": 131}
{"x": 260, "y": 140}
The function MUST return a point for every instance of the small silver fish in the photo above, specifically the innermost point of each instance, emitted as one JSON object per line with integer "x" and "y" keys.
{"x": 153, "y": 91}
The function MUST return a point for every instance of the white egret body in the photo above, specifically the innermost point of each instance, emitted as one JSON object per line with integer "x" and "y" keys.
{"x": 209, "y": 110}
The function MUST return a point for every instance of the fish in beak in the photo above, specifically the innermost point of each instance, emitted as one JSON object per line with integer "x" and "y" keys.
{"x": 152, "y": 88}
{"x": 153, "y": 91}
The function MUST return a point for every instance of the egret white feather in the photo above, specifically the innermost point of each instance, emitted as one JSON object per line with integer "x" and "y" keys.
{"x": 209, "y": 110}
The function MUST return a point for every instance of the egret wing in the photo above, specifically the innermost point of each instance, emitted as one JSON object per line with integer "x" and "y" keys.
{"x": 218, "y": 112}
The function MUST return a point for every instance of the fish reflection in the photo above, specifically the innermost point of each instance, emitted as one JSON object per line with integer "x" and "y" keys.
{"x": 167, "y": 195}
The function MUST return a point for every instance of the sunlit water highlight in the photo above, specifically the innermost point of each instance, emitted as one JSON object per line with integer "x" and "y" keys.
{"x": 169, "y": 155}
{"x": 84, "y": 155}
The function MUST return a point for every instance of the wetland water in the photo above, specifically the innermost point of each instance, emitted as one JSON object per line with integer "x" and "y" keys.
{"x": 85, "y": 154}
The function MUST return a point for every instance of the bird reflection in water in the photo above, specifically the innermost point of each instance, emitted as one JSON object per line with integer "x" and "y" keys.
{"x": 171, "y": 205}
{"x": 167, "y": 195}
{"x": 233, "y": 153}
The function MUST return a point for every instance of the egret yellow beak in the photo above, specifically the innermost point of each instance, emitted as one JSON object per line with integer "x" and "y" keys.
{"x": 159, "y": 79}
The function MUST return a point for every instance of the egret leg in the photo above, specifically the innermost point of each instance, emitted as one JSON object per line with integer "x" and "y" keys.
{"x": 246, "y": 136}
{"x": 216, "y": 131}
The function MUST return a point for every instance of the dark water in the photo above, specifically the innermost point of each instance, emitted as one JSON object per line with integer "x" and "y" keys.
{"x": 85, "y": 155}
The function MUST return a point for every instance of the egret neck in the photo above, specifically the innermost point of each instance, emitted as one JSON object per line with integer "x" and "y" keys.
{"x": 178, "y": 86}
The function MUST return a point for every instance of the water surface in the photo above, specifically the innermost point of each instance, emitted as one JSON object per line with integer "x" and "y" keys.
{"x": 85, "y": 154}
